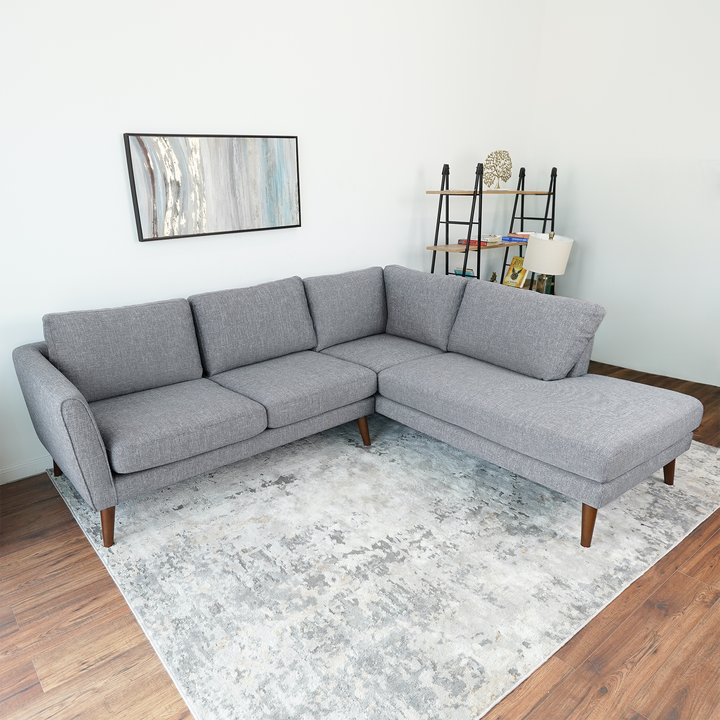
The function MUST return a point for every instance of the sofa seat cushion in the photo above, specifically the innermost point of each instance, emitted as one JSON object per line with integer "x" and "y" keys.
{"x": 155, "y": 427}
{"x": 594, "y": 426}
{"x": 378, "y": 352}
{"x": 347, "y": 306}
{"x": 117, "y": 351}
{"x": 421, "y": 306}
{"x": 301, "y": 385}
{"x": 544, "y": 336}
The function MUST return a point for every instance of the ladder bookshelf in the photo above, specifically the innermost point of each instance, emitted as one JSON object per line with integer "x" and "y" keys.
{"x": 475, "y": 222}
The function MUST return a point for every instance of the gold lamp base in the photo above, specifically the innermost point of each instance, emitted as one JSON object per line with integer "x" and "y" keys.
{"x": 544, "y": 284}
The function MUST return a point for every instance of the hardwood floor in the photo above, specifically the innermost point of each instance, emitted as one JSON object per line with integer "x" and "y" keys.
{"x": 71, "y": 648}
{"x": 69, "y": 645}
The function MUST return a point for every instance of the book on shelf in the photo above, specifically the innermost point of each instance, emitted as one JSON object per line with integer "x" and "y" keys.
{"x": 516, "y": 237}
{"x": 485, "y": 240}
{"x": 515, "y": 276}
{"x": 468, "y": 272}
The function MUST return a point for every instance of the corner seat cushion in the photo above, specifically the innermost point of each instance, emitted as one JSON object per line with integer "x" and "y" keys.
{"x": 116, "y": 351}
{"x": 594, "y": 426}
{"x": 379, "y": 352}
{"x": 301, "y": 385}
{"x": 543, "y": 336}
{"x": 159, "y": 426}
{"x": 248, "y": 325}
{"x": 347, "y": 306}
{"x": 421, "y": 306}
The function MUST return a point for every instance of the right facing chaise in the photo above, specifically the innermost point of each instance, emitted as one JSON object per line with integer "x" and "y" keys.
{"x": 502, "y": 374}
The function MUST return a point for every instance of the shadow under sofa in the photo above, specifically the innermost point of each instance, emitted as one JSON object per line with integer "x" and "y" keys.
{"x": 129, "y": 400}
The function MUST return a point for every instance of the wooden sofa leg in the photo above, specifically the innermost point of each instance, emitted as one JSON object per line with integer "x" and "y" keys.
{"x": 669, "y": 473}
{"x": 588, "y": 524}
{"x": 57, "y": 472}
{"x": 364, "y": 432}
{"x": 107, "y": 520}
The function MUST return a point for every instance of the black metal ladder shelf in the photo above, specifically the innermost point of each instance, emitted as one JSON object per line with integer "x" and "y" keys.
{"x": 477, "y": 193}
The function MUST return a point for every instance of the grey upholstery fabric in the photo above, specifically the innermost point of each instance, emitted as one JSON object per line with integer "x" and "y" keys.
{"x": 66, "y": 427}
{"x": 582, "y": 365}
{"x": 248, "y": 325}
{"x": 422, "y": 306}
{"x": 347, "y": 306}
{"x": 378, "y": 352}
{"x": 299, "y": 386}
{"x": 116, "y": 351}
{"x": 134, "y": 484}
{"x": 575, "y": 486}
{"x": 159, "y": 426}
{"x": 593, "y": 426}
{"x": 543, "y": 336}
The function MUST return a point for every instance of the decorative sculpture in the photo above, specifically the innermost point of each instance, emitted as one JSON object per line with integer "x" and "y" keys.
{"x": 497, "y": 167}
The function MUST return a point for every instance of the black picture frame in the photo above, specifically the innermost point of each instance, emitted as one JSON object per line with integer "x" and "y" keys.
{"x": 195, "y": 185}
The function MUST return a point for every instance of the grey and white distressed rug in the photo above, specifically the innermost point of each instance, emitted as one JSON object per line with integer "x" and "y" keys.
{"x": 406, "y": 580}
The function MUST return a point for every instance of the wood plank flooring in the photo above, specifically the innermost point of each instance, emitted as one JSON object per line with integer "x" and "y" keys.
{"x": 70, "y": 647}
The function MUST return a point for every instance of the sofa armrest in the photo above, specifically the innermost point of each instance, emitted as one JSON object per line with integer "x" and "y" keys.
{"x": 65, "y": 425}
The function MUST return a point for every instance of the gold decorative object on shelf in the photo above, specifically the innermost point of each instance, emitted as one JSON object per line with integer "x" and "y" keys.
{"x": 497, "y": 167}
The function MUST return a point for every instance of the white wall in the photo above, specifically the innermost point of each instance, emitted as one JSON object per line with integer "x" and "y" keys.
{"x": 622, "y": 100}
{"x": 632, "y": 102}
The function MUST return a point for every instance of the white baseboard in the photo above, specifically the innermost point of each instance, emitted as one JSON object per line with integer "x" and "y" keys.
{"x": 26, "y": 469}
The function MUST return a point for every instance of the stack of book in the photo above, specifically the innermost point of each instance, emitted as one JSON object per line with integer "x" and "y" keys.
{"x": 489, "y": 240}
{"x": 484, "y": 240}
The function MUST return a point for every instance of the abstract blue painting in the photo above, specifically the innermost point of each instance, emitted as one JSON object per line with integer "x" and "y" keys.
{"x": 186, "y": 185}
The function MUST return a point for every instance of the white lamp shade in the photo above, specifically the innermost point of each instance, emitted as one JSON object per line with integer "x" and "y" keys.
{"x": 545, "y": 256}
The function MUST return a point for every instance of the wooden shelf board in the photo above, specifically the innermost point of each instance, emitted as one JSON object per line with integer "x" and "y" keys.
{"x": 457, "y": 248}
{"x": 488, "y": 192}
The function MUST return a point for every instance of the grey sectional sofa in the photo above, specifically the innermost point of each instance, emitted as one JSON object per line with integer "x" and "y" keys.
{"x": 128, "y": 400}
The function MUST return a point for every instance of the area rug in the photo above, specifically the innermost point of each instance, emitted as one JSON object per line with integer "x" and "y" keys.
{"x": 406, "y": 580}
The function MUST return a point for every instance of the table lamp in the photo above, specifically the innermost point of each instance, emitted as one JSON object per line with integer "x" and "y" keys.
{"x": 547, "y": 255}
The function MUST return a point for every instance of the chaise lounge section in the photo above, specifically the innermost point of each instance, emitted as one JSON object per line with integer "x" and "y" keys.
{"x": 128, "y": 400}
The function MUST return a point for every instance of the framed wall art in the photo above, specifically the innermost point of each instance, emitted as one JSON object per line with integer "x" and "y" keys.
{"x": 189, "y": 185}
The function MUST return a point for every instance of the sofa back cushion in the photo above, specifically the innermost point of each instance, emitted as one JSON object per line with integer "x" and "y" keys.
{"x": 544, "y": 336}
{"x": 117, "y": 351}
{"x": 248, "y": 325}
{"x": 422, "y": 306}
{"x": 347, "y": 306}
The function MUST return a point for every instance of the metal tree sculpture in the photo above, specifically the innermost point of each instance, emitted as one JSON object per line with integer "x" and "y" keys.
{"x": 498, "y": 166}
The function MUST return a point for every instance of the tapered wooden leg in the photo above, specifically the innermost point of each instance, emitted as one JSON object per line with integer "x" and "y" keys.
{"x": 364, "y": 432}
{"x": 107, "y": 520}
{"x": 669, "y": 473}
{"x": 57, "y": 472}
{"x": 588, "y": 524}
